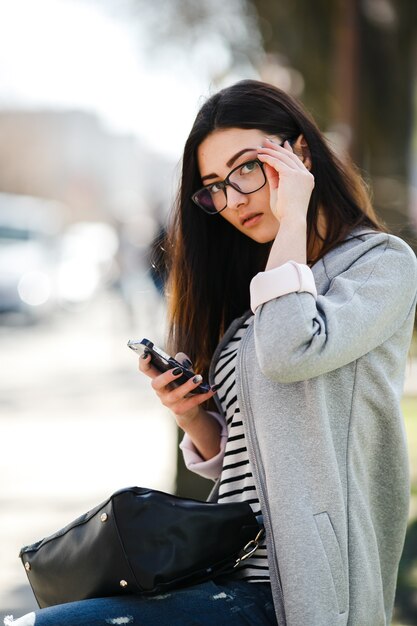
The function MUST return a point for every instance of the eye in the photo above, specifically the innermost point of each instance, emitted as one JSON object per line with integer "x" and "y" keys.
{"x": 214, "y": 188}
{"x": 249, "y": 167}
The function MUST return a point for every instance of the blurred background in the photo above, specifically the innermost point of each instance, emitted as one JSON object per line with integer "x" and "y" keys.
{"x": 96, "y": 101}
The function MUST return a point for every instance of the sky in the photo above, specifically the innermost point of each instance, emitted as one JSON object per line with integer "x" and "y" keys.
{"x": 71, "y": 54}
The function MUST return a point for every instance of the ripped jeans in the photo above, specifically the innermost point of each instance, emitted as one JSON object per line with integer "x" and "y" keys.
{"x": 230, "y": 602}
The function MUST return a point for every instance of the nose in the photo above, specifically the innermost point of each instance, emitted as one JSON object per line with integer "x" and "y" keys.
{"x": 235, "y": 198}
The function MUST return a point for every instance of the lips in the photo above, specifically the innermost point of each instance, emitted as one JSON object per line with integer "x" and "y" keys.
{"x": 246, "y": 219}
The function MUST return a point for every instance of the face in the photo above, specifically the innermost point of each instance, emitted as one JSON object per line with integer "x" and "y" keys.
{"x": 218, "y": 154}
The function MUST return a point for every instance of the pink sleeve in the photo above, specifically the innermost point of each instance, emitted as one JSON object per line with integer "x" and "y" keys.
{"x": 287, "y": 278}
{"x": 193, "y": 460}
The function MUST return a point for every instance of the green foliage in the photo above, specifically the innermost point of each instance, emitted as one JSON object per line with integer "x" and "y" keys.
{"x": 406, "y": 598}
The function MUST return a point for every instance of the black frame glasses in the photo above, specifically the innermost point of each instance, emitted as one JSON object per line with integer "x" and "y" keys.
{"x": 223, "y": 184}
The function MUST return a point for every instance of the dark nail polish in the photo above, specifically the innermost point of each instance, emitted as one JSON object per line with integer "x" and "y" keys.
{"x": 145, "y": 354}
{"x": 177, "y": 371}
{"x": 214, "y": 387}
{"x": 197, "y": 379}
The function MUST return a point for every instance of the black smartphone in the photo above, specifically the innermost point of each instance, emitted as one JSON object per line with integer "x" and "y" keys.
{"x": 163, "y": 362}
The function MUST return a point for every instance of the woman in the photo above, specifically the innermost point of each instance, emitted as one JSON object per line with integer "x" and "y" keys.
{"x": 290, "y": 296}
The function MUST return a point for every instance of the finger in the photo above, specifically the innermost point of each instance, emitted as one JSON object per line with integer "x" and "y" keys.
{"x": 145, "y": 364}
{"x": 285, "y": 146}
{"x": 277, "y": 150}
{"x": 277, "y": 164}
{"x": 283, "y": 156}
{"x": 278, "y": 143}
{"x": 183, "y": 390}
{"x": 299, "y": 159}
{"x": 184, "y": 405}
{"x": 161, "y": 381}
{"x": 272, "y": 176}
{"x": 184, "y": 359}
{"x": 281, "y": 165}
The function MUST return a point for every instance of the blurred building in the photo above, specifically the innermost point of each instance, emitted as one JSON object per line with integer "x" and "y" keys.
{"x": 73, "y": 158}
{"x": 109, "y": 192}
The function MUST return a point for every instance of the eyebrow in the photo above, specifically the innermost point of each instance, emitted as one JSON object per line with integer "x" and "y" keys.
{"x": 230, "y": 161}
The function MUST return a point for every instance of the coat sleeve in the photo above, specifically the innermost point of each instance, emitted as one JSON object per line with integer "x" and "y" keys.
{"x": 299, "y": 336}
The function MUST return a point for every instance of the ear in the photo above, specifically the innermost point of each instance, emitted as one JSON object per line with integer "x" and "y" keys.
{"x": 301, "y": 149}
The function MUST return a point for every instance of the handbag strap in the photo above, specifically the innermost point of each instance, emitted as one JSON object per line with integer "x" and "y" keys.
{"x": 250, "y": 548}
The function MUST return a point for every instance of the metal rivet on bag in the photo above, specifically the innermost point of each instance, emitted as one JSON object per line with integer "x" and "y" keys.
{"x": 104, "y": 517}
{"x": 123, "y": 583}
{"x": 28, "y": 566}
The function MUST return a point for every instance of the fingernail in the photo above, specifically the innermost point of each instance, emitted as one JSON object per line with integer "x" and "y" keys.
{"x": 177, "y": 371}
{"x": 145, "y": 355}
{"x": 197, "y": 379}
{"x": 214, "y": 387}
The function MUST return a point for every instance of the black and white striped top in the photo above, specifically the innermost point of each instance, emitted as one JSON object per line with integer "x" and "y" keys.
{"x": 236, "y": 480}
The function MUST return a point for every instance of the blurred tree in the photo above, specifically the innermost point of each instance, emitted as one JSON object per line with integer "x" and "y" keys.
{"x": 357, "y": 59}
{"x": 406, "y": 599}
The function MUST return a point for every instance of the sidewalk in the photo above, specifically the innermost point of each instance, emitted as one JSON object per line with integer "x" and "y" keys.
{"x": 78, "y": 421}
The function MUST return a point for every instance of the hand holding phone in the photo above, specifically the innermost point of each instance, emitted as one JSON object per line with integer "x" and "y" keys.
{"x": 163, "y": 362}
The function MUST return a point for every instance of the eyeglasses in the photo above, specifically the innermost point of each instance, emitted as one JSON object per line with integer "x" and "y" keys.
{"x": 245, "y": 178}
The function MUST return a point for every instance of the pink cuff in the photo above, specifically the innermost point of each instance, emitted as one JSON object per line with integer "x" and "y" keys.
{"x": 194, "y": 461}
{"x": 287, "y": 278}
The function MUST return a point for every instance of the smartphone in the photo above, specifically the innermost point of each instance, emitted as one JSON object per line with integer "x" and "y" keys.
{"x": 163, "y": 362}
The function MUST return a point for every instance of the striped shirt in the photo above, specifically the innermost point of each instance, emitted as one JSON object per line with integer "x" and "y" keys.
{"x": 236, "y": 480}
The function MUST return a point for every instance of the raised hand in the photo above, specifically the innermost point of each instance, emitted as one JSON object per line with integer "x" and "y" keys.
{"x": 290, "y": 181}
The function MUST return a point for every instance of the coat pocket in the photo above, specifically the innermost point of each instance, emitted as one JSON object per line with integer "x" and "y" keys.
{"x": 334, "y": 557}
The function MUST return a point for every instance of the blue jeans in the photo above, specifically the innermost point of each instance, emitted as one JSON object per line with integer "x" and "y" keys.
{"x": 209, "y": 604}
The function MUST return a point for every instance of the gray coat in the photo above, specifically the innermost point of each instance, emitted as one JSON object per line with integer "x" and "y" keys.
{"x": 319, "y": 384}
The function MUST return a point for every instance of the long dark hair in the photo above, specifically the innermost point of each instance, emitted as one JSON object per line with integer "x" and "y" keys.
{"x": 210, "y": 262}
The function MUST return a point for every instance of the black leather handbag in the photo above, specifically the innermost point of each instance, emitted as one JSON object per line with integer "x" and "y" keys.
{"x": 140, "y": 541}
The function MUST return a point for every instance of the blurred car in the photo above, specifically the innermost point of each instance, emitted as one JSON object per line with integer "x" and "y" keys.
{"x": 45, "y": 266}
{"x": 29, "y": 250}
{"x": 87, "y": 262}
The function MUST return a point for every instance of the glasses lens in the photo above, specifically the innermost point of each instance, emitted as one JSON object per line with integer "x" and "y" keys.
{"x": 210, "y": 201}
{"x": 248, "y": 178}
